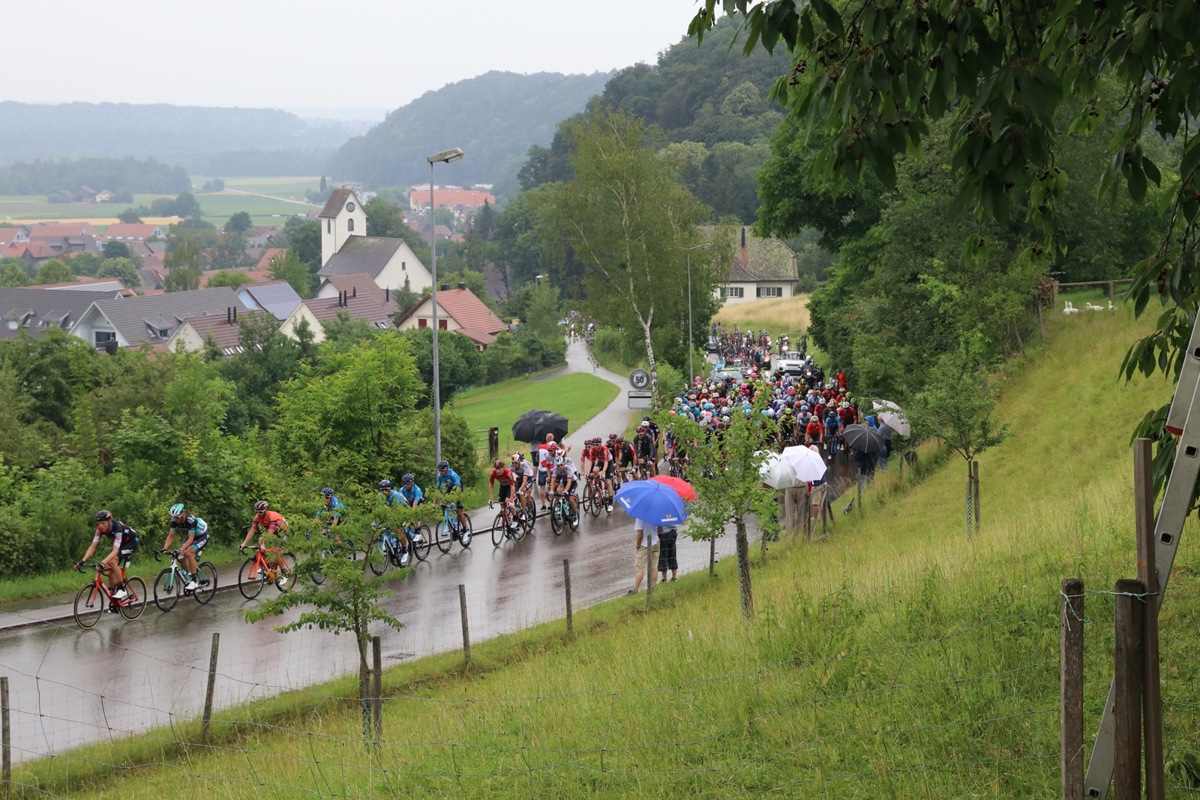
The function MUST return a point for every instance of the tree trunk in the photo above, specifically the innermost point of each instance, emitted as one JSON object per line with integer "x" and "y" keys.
{"x": 743, "y": 557}
{"x": 650, "y": 358}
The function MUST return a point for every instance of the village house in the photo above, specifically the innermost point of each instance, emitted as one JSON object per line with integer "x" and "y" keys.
{"x": 761, "y": 268}
{"x": 458, "y": 310}
{"x": 346, "y": 249}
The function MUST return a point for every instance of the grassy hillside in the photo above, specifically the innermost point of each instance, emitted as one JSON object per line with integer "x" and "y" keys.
{"x": 895, "y": 658}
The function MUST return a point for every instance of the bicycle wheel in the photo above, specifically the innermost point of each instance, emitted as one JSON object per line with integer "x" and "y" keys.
{"x": 498, "y": 530}
{"x": 573, "y": 517}
{"x": 465, "y": 533}
{"x": 206, "y": 576}
{"x": 442, "y": 537}
{"x": 558, "y": 519}
{"x": 285, "y": 571}
{"x": 250, "y": 578}
{"x": 313, "y": 567}
{"x": 166, "y": 590}
{"x": 586, "y": 501}
{"x": 421, "y": 544}
{"x": 135, "y": 602}
{"x": 90, "y": 603}
{"x": 378, "y": 557}
{"x": 597, "y": 501}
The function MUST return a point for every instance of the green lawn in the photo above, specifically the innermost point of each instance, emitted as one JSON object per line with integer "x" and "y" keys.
{"x": 896, "y": 658}
{"x": 578, "y": 397}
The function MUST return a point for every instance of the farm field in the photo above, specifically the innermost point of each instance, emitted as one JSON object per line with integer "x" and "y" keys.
{"x": 779, "y": 315}
{"x": 284, "y": 198}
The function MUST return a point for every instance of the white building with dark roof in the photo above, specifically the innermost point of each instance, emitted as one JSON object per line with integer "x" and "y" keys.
{"x": 346, "y": 249}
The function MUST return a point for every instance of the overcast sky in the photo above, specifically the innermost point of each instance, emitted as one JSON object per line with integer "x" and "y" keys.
{"x": 307, "y": 54}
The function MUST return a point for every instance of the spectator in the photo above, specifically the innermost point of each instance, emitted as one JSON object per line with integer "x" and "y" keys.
{"x": 667, "y": 558}
{"x": 646, "y": 547}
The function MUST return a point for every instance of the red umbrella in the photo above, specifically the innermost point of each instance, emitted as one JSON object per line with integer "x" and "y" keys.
{"x": 682, "y": 487}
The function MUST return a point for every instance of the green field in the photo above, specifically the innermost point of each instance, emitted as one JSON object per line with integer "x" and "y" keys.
{"x": 285, "y": 198}
{"x": 578, "y": 397}
{"x": 896, "y": 658}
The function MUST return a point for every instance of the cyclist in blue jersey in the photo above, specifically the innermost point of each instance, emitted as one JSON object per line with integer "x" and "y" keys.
{"x": 333, "y": 507}
{"x": 409, "y": 494}
{"x": 448, "y": 481}
{"x": 195, "y": 537}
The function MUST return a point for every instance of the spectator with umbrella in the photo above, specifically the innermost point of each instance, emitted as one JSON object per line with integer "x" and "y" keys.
{"x": 652, "y": 505}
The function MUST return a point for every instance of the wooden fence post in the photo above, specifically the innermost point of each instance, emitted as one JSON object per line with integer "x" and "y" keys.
{"x": 377, "y": 688}
{"x": 5, "y": 739}
{"x": 1143, "y": 492}
{"x": 1127, "y": 657}
{"x": 567, "y": 591}
{"x": 975, "y": 489}
{"x": 712, "y": 557}
{"x": 212, "y": 681}
{"x": 462, "y": 605}
{"x": 1071, "y": 688}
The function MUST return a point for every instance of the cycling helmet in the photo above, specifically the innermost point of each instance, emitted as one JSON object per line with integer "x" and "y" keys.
{"x": 408, "y": 478}
{"x": 443, "y": 465}
{"x": 327, "y": 492}
{"x": 612, "y": 437}
{"x": 498, "y": 464}
{"x": 103, "y": 516}
{"x": 176, "y": 510}
{"x": 260, "y": 507}
{"x": 515, "y": 457}
{"x": 385, "y": 484}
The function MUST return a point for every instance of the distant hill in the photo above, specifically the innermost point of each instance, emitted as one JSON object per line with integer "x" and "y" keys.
{"x": 203, "y": 140}
{"x": 494, "y": 117}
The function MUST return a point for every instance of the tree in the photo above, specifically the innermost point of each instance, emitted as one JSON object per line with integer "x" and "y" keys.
{"x": 229, "y": 251}
{"x": 303, "y": 239}
{"x": 14, "y": 274}
{"x": 956, "y": 407}
{"x": 630, "y": 226}
{"x": 231, "y": 278}
{"x": 383, "y": 218}
{"x": 288, "y": 267}
{"x": 460, "y": 364}
{"x": 724, "y": 470}
{"x": 130, "y": 216}
{"x": 123, "y": 269}
{"x": 1002, "y": 72}
{"x": 186, "y": 264}
{"x": 240, "y": 222}
{"x": 85, "y": 264}
{"x": 54, "y": 271}
{"x": 115, "y": 249}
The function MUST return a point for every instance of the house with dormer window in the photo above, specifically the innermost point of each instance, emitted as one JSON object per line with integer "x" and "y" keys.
{"x": 346, "y": 249}
{"x": 150, "y": 319}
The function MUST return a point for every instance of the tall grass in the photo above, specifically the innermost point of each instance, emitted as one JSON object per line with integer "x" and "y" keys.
{"x": 777, "y": 316}
{"x": 896, "y": 658}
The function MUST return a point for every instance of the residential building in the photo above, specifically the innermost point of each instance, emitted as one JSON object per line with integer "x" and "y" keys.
{"x": 458, "y": 310}
{"x": 460, "y": 201}
{"x": 13, "y": 234}
{"x": 761, "y": 269}
{"x": 34, "y": 310}
{"x": 134, "y": 231}
{"x": 355, "y": 284}
{"x": 363, "y": 306}
{"x": 150, "y": 319}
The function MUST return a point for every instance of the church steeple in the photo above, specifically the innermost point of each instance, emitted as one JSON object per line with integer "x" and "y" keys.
{"x": 342, "y": 217}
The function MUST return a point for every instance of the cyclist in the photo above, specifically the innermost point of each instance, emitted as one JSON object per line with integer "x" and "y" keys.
{"x": 447, "y": 481}
{"x": 652, "y": 429}
{"x": 549, "y": 453}
{"x": 507, "y": 482}
{"x": 267, "y": 523}
{"x": 624, "y": 455}
{"x": 195, "y": 538}
{"x": 597, "y": 460}
{"x": 334, "y": 506}
{"x": 124, "y": 545}
{"x": 643, "y": 445}
{"x": 563, "y": 480}
{"x": 524, "y": 472}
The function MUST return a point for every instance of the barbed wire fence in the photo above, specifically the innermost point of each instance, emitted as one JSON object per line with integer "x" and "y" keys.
{"x": 844, "y": 717}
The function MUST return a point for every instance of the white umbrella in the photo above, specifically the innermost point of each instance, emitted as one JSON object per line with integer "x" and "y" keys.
{"x": 777, "y": 472}
{"x": 889, "y": 412}
{"x": 808, "y": 464}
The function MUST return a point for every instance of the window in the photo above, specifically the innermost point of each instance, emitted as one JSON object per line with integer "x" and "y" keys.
{"x": 734, "y": 291}
{"x": 350, "y": 224}
{"x": 770, "y": 291}
{"x": 422, "y": 323}
{"x": 441, "y": 324}
{"x": 104, "y": 337}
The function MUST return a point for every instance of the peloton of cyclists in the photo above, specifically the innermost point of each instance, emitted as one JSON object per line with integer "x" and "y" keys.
{"x": 195, "y": 537}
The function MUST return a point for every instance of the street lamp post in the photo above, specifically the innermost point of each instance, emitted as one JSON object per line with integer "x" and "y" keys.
{"x": 445, "y": 157}
{"x": 691, "y": 341}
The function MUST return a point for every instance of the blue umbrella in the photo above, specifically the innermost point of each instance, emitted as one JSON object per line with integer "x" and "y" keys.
{"x": 656, "y": 503}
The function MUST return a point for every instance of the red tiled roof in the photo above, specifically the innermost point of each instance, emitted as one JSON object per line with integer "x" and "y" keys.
{"x": 269, "y": 254}
{"x": 361, "y": 307}
{"x": 72, "y": 230}
{"x": 471, "y": 314}
{"x": 223, "y": 334}
{"x": 130, "y": 230}
{"x": 361, "y": 284}
{"x": 450, "y": 198}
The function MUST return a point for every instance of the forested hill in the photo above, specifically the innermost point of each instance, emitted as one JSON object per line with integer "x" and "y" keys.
{"x": 206, "y": 141}
{"x": 494, "y": 117}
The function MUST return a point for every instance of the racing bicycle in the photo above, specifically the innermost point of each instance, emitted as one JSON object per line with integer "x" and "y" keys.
{"x": 258, "y": 570}
{"x": 450, "y": 529}
{"x": 95, "y": 598}
{"x": 172, "y": 580}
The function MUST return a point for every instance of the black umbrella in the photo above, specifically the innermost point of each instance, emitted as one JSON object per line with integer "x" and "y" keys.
{"x": 533, "y": 425}
{"x": 863, "y": 439}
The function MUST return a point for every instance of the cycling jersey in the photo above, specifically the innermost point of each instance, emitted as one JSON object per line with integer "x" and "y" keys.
{"x": 644, "y": 445}
{"x": 505, "y": 476}
{"x": 271, "y": 521}
{"x": 122, "y": 536}
{"x": 524, "y": 470}
{"x": 448, "y": 480}
{"x": 192, "y": 526}
{"x": 335, "y": 508}
{"x": 406, "y": 495}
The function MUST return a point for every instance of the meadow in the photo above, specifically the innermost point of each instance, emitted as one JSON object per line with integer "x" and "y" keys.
{"x": 898, "y": 657}
{"x": 777, "y": 316}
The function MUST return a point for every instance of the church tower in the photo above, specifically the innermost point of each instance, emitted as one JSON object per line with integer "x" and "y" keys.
{"x": 342, "y": 217}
